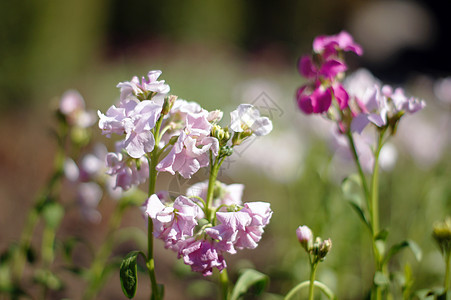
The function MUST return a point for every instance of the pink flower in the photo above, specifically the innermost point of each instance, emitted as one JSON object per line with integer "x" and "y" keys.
{"x": 72, "y": 106}
{"x": 145, "y": 88}
{"x": 241, "y": 229}
{"x": 172, "y": 224}
{"x": 330, "y": 45}
{"x": 191, "y": 150}
{"x": 202, "y": 256}
{"x": 223, "y": 194}
{"x": 126, "y": 171}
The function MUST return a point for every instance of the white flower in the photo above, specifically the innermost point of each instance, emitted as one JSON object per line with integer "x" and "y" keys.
{"x": 247, "y": 117}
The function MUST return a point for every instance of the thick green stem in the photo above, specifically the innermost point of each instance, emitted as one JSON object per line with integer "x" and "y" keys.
{"x": 153, "y": 161}
{"x": 312, "y": 280}
{"x": 224, "y": 280}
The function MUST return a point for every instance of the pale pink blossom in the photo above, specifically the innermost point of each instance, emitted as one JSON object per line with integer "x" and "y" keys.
{"x": 136, "y": 88}
{"x": 172, "y": 224}
{"x": 305, "y": 235}
{"x": 191, "y": 151}
{"x": 72, "y": 106}
{"x": 223, "y": 194}
{"x": 125, "y": 171}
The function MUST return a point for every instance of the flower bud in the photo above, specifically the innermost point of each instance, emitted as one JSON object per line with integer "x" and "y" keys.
{"x": 442, "y": 235}
{"x": 305, "y": 237}
{"x": 168, "y": 103}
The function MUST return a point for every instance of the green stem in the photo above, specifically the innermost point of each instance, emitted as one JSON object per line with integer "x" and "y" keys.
{"x": 312, "y": 280}
{"x": 215, "y": 164}
{"x": 447, "y": 272}
{"x": 374, "y": 200}
{"x": 328, "y": 292}
{"x": 224, "y": 280}
{"x": 153, "y": 161}
{"x": 359, "y": 168}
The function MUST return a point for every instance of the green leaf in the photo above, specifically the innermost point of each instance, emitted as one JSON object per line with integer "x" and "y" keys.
{"x": 380, "y": 279}
{"x": 247, "y": 279}
{"x": 129, "y": 274}
{"x": 382, "y": 235}
{"x": 352, "y": 192}
{"x": 398, "y": 247}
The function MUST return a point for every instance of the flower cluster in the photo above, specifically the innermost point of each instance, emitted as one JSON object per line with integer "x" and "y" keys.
{"x": 184, "y": 227}
{"x": 356, "y": 103}
{"x": 323, "y": 69}
{"x": 165, "y": 134}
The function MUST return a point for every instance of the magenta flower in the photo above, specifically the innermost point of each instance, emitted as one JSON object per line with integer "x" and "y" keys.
{"x": 316, "y": 100}
{"x": 172, "y": 224}
{"x": 330, "y": 45}
{"x": 328, "y": 70}
{"x": 202, "y": 256}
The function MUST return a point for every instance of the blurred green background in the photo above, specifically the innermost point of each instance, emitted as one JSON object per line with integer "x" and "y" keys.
{"x": 222, "y": 53}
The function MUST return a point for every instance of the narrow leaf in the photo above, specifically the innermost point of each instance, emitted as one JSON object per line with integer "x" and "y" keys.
{"x": 352, "y": 192}
{"x": 398, "y": 247}
{"x": 247, "y": 279}
{"x": 129, "y": 274}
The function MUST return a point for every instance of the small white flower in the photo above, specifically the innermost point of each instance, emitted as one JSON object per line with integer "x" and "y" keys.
{"x": 247, "y": 117}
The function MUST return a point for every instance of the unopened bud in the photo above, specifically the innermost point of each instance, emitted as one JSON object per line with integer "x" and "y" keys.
{"x": 173, "y": 139}
{"x": 168, "y": 103}
{"x": 215, "y": 116}
{"x": 442, "y": 235}
{"x": 305, "y": 237}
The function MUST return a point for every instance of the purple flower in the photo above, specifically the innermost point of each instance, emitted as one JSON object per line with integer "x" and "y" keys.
{"x": 191, "y": 150}
{"x": 330, "y": 45}
{"x": 247, "y": 117}
{"x": 202, "y": 256}
{"x": 172, "y": 224}
{"x": 126, "y": 171}
{"x": 401, "y": 102}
